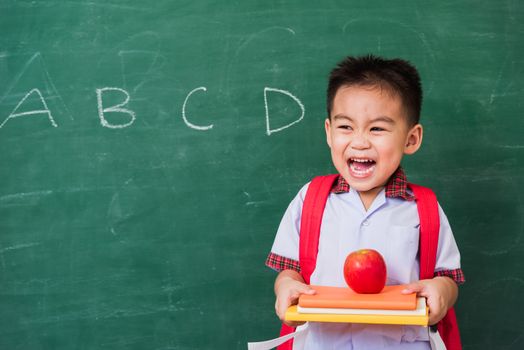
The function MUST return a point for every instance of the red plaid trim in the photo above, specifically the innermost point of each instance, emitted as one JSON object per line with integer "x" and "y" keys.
{"x": 340, "y": 185}
{"x": 280, "y": 263}
{"x": 397, "y": 186}
{"x": 456, "y": 275}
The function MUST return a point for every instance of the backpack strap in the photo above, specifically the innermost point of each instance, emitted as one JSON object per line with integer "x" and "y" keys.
{"x": 427, "y": 207}
{"x": 311, "y": 219}
{"x": 310, "y": 222}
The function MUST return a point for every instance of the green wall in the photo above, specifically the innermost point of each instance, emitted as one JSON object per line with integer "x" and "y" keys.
{"x": 145, "y": 224}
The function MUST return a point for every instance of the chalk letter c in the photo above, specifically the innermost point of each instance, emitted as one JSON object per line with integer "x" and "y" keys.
{"x": 188, "y": 123}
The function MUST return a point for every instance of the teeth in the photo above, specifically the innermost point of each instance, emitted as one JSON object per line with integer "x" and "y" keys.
{"x": 362, "y": 160}
{"x": 357, "y": 170}
{"x": 360, "y": 172}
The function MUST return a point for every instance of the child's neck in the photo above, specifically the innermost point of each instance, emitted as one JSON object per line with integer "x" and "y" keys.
{"x": 368, "y": 197}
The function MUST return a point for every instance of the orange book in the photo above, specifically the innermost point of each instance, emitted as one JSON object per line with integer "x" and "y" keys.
{"x": 390, "y": 298}
{"x": 417, "y": 317}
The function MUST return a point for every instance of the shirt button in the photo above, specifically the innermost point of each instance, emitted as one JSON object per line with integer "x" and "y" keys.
{"x": 365, "y": 223}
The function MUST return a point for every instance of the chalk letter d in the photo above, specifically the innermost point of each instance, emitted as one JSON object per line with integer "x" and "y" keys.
{"x": 270, "y": 131}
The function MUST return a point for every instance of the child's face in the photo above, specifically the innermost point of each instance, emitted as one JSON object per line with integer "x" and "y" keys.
{"x": 368, "y": 134}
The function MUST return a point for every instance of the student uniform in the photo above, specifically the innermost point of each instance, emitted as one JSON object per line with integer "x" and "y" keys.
{"x": 390, "y": 226}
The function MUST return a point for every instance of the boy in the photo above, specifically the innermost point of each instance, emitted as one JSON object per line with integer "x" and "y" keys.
{"x": 373, "y": 109}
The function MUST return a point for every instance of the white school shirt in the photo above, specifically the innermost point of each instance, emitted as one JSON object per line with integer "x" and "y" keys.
{"x": 390, "y": 226}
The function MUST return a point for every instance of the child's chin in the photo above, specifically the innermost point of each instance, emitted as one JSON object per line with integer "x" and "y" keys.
{"x": 362, "y": 189}
{"x": 362, "y": 185}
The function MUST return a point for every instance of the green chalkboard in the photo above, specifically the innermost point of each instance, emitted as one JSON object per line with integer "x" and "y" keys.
{"x": 149, "y": 149}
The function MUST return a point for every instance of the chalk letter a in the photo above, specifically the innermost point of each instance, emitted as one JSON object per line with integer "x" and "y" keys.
{"x": 116, "y": 108}
{"x": 45, "y": 110}
{"x": 270, "y": 131}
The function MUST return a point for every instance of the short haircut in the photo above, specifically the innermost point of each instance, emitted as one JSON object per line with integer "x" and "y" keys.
{"x": 396, "y": 75}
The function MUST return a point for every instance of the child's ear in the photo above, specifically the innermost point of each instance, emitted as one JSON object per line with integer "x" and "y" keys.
{"x": 327, "y": 125}
{"x": 414, "y": 139}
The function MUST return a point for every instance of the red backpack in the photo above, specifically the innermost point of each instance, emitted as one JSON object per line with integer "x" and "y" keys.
{"x": 312, "y": 212}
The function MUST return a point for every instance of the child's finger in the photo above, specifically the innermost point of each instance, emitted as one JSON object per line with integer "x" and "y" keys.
{"x": 281, "y": 306}
{"x": 308, "y": 291}
{"x": 413, "y": 288}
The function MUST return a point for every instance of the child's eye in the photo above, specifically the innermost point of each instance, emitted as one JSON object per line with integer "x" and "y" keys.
{"x": 344, "y": 127}
{"x": 377, "y": 129}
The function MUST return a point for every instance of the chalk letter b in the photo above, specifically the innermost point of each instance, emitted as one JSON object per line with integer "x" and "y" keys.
{"x": 117, "y": 108}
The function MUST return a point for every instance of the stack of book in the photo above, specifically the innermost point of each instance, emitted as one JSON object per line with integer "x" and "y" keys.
{"x": 339, "y": 304}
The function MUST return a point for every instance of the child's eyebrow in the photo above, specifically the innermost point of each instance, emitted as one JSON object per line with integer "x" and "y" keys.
{"x": 382, "y": 118}
{"x": 342, "y": 117}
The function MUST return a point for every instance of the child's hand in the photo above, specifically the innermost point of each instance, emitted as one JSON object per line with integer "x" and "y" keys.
{"x": 440, "y": 293}
{"x": 288, "y": 287}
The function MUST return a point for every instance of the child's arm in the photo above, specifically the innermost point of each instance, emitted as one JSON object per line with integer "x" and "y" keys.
{"x": 289, "y": 284}
{"x": 441, "y": 293}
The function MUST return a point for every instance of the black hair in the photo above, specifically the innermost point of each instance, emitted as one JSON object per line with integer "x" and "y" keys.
{"x": 396, "y": 75}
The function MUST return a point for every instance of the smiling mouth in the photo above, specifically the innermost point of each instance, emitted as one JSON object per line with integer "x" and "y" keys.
{"x": 360, "y": 167}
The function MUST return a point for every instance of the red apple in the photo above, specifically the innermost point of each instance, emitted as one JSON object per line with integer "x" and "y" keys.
{"x": 365, "y": 271}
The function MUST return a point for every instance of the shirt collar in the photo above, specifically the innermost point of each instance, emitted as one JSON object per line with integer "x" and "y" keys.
{"x": 396, "y": 187}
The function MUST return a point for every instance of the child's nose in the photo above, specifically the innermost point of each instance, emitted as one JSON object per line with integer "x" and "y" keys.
{"x": 359, "y": 141}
